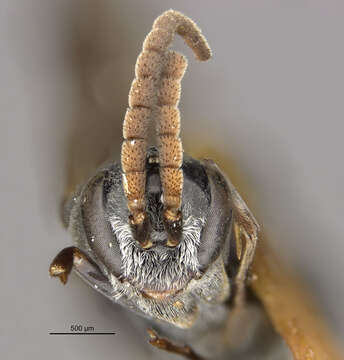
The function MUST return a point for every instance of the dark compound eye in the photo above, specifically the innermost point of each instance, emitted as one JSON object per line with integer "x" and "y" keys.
{"x": 205, "y": 202}
{"x": 207, "y": 195}
{"x": 98, "y": 231}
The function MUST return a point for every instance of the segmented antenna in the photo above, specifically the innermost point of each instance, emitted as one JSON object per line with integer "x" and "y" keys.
{"x": 155, "y": 94}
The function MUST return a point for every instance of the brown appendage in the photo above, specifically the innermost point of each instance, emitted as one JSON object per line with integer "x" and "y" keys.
{"x": 167, "y": 345}
{"x": 63, "y": 262}
{"x": 155, "y": 93}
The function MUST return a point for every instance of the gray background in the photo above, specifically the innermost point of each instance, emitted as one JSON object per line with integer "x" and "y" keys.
{"x": 270, "y": 101}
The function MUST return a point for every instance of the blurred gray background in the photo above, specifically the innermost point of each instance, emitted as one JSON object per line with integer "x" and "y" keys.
{"x": 270, "y": 102}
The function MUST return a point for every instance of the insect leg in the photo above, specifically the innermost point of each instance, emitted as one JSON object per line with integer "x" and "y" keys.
{"x": 246, "y": 230}
{"x": 73, "y": 258}
{"x": 246, "y": 245}
{"x": 62, "y": 264}
{"x": 166, "y": 345}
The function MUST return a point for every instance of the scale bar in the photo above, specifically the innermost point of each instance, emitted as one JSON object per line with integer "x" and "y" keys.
{"x": 82, "y": 333}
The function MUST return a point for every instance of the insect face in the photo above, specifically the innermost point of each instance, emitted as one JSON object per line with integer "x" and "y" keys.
{"x": 153, "y": 231}
{"x": 163, "y": 281}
